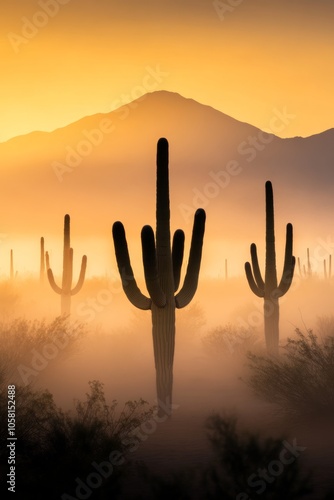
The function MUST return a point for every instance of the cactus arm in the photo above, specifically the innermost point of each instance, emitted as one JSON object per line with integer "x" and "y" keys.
{"x": 191, "y": 279}
{"x": 47, "y": 260}
{"x": 151, "y": 268}
{"x": 330, "y": 267}
{"x": 177, "y": 256}
{"x": 82, "y": 274}
{"x": 52, "y": 282}
{"x": 42, "y": 261}
{"x": 252, "y": 283}
{"x": 289, "y": 263}
{"x": 129, "y": 284}
{"x": 256, "y": 268}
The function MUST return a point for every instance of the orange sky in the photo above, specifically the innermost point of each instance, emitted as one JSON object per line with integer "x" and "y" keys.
{"x": 61, "y": 60}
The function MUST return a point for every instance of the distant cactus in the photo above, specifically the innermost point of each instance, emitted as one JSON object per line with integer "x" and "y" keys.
{"x": 309, "y": 267}
{"x": 305, "y": 272}
{"x": 301, "y": 271}
{"x": 42, "y": 262}
{"x": 269, "y": 288}
{"x": 328, "y": 271}
{"x": 11, "y": 270}
{"x": 66, "y": 291}
{"x": 162, "y": 267}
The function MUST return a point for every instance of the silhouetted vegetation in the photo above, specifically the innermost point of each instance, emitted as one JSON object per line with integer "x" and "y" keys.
{"x": 162, "y": 268}
{"x": 301, "y": 382}
{"x": 57, "y": 450}
{"x": 230, "y": 340}
{"x": 245, "y": 465}
{"x": 269, "y": 288}
{"x": 23, "y": 340}
{"x": 66, "y": 291}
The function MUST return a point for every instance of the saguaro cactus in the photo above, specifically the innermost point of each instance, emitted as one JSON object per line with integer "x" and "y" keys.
{"x": 303, "y": 271}
{"x": 42, "y": 262}
{"x": 162, "y": 267}
{"x": 66, "y": 291}
{"x": 11, "y": 271}
{"x": 328, "y": 272}
{"x": 269, "y": 289}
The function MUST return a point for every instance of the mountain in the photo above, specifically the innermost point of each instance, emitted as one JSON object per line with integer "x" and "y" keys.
{"x": 102, "y": 168}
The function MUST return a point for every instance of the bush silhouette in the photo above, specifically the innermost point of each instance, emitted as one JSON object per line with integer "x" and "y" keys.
{"x": 56, "y": 447}
{"x": 229, "y": 340}
{"x": 20, "y": 337}
{"x": 301, "y": 383}
{"x": 232, "y": 474}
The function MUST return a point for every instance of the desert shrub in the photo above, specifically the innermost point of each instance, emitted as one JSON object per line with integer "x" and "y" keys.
{"x": 325, "y": 326}
{"x": 244, "y": 467}
{"x": 301, "y": 380}
{"x": 241, "y": 459}
{"x": 56, "y": 449}
{"x": 19, "y": 337}
{"x": 229, "y": 340}
{"x": 9, "y": 298}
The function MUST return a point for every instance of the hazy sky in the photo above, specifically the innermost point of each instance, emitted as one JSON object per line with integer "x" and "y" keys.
{"x": 61, "y": 60}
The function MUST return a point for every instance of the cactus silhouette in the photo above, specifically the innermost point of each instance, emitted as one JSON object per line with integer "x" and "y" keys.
{"x": 328, "y": 272}
{"x": 66, "y": 291}
{"x": 303, "y": 272}
{"x": 269, "y": 289}
{"x": 162, "y": 268}
{"x": 309, "y": 267}
{"x": 11, "y": 271}
{"x": 42, "y": 262}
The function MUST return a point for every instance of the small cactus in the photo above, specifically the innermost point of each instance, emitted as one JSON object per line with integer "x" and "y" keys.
{"x": 305, "y": 272}
{"x": 269, "y": 289}
{"x": 66, "y": 291}
{"x": 11, "y": 271}
{"x": 328, "y": 271}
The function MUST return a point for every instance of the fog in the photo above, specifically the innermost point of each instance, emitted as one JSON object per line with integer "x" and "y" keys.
{"x": 210, "y": 375}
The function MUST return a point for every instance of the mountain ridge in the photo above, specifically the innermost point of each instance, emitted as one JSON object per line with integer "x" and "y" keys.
{"x": 134, "y": 102}
{"x": 216, "y": 162}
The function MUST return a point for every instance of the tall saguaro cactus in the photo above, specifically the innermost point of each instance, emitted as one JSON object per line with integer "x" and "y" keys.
{"x": 269, "y": 289}
{"x": 66, "y": 291}
{"x": 162, "y": 268}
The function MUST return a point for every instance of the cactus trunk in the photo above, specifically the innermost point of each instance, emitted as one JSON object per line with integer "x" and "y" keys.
{"x": 271, "y": 325}
{"x": 163, "y": 318}
{"x": 163, "y": 332}
{"x": 65, "y": 304}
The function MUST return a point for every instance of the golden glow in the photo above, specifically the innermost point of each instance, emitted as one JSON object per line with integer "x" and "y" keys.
{"x": 89, "y": 59}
